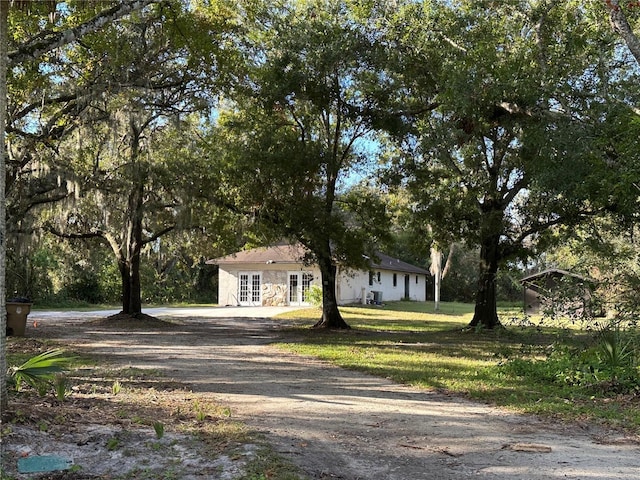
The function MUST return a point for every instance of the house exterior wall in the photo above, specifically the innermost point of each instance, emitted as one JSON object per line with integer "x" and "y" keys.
{"x": 538, "y": 294}
{"x": 394, "y": 291}
{"x": 274, "y": 288}
{"x": 418, "y": 287}
{"x": 227, "y": 287}
{"x": 274, "y": 282}
{"x": 351, "y": 285}
{"x": 531, "y": 299}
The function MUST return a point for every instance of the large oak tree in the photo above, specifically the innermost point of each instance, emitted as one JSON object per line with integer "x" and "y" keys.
{"x": 297, "y": 135}
{"x": 509, "y": 149}
{"x": 132, "y": 187}
{"x": 26, "y": 39}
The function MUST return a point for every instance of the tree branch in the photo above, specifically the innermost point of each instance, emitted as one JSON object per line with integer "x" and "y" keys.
{"x": 509, "y": 194}
{"x": 621, "y": 26}
{"x": 58, "y": 233}
{"x": 539, "y": 226}
{"x": 449, "y": 262}
{"x": 50, "y": 40}
{"x": 157, "y": 235}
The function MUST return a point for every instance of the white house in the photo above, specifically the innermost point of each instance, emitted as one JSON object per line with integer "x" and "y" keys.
{"x": 276, "y": 275}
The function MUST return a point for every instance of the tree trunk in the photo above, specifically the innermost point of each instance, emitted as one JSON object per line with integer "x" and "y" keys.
{"x": 130, "y": 265}
{"x": 486, "y": 311}
{"x": 4, "y": 11}
{"x": 133, "y": 241}
{"x": 125, "y": 286}
{"x": 131, "y": 290}
{"x": 130, "y": 280}
{"x": 621, "y": 26}
{"x": 135, "y": 298}
{"x": 331, "y": 317}
{"x": 436, "y": 271}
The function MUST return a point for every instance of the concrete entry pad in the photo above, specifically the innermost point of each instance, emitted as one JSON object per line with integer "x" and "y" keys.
{"x": 175, "y": 312}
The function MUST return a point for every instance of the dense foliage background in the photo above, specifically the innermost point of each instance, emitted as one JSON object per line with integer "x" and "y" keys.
{"x": 187, "y": 130}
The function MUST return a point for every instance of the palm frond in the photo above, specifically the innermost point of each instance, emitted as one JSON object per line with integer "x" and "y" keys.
{"x": 41, "y": 369}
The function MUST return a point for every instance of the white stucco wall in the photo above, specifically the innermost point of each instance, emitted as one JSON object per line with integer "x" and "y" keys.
{"x": 390, "y": 293}
{"x": 227, "y": 287}
{"x": 419, "y": 288}
{"x": 349, "y": 286}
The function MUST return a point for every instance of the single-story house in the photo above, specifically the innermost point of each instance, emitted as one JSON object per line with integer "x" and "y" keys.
{"x": 277, "y": 276}
{"x": 559, "y": 290}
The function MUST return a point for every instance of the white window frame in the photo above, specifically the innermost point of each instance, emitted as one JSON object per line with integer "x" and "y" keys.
{"x": 304, "y": 281}
{"x": 252, "y": 295}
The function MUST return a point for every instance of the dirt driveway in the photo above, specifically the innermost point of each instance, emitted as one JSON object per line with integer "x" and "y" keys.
{"x": 335, "y": 423}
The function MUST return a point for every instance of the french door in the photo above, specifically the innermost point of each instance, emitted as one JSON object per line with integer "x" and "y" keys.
{"x": 299, "y": 284}
{"x": 249, "y": 289}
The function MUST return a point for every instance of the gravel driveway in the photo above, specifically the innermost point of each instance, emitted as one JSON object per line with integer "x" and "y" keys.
{"x": 335, "y": 423}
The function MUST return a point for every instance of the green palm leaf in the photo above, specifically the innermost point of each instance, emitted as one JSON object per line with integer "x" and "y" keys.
{"x": 41, "y": 368}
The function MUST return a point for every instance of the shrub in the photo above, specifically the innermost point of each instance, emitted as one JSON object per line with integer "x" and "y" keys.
{"x": 314, "y": 295}
{"x": 607, "y": 367}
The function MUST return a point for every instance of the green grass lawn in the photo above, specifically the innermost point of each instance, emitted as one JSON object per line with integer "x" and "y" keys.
{"x": 547, "y": 371}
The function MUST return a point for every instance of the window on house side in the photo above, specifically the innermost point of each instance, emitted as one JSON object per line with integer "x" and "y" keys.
{"x": 370, "y": 278}
{"x": 378, "y": 276}
{"x": 395, "y": 279}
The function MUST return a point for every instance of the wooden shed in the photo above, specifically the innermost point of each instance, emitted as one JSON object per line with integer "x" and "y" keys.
{"x": 556, "y": 289}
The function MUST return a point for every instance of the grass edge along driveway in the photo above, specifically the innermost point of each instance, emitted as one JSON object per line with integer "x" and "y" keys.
{"x": 557, "y": 372}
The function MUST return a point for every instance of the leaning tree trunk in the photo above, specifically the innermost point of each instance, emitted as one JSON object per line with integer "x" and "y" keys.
{"x": 486, "y": 311}
{"x": 621, "y": 26}
{"x": 331, "y": 317}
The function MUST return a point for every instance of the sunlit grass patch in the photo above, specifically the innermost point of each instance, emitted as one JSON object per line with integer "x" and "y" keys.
{"x": 398, "y": 315}
{"x": 409, "y": 343}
